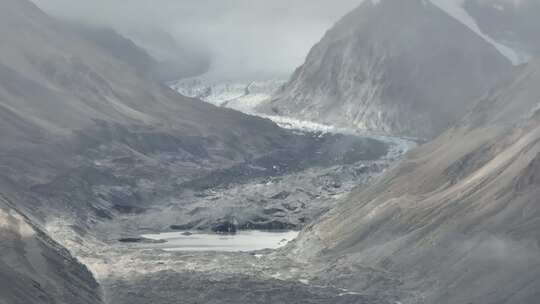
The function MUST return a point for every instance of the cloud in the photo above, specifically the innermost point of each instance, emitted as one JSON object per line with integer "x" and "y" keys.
{"x": 245, "y": 38}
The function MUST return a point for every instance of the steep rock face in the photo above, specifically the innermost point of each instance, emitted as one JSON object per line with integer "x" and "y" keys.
{"x": 458, "y": 220}
{"x": 35, "y": 269}
{"x": 401, "y": 67}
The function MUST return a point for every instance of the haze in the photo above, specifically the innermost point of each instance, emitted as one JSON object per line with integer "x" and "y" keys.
{"x": 244, "y": 38}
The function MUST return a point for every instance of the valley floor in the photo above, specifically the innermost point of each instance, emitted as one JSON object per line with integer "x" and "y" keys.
{"x": 134, "y": 273}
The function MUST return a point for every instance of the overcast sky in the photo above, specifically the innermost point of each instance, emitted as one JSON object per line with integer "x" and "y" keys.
{"x": 246, "y": 38}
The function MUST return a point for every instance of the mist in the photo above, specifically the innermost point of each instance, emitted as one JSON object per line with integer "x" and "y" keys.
{"x": 244, "y": 39}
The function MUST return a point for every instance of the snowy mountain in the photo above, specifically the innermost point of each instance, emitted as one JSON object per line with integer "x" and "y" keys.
{"x": 241, "y": 96}
{"x": 400, "y": 67}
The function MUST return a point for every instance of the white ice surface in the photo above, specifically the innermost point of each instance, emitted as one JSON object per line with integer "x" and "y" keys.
{"x": 241, "y": 241}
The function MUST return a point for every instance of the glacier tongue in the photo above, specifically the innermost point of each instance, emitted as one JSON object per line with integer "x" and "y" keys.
{"x": 455, "y": 9}
{"x": 243, "y": 96}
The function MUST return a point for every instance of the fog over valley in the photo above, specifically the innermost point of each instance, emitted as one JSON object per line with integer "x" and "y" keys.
{"x": 245, "y": 39}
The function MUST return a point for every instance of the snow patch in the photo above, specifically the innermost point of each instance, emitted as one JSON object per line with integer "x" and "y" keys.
{"x": 398, "y": 146}
{"x": 348, "y": 293}
{"x": 11, "y": 220}
{"x": 238, "y": 95}
{"x": 455, "y": 9}
{"x": 4, "y": 220}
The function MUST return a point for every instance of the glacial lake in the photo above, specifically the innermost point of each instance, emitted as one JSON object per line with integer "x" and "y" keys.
{"x": 241, "y": 241}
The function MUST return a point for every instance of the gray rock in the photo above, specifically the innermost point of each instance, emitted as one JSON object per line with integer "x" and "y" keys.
{"x": 402, "y": 67}
{"x": 458, "y": 216}
{"x": 513, "y": 23}
{"x": 35, "y": 269}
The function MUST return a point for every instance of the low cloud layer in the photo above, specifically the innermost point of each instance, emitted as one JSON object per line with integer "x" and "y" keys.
{"x": 245, "y": 38}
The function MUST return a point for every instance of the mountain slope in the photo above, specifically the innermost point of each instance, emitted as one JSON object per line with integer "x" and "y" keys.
{"x": 73, "y": 74}
{"x": 458, "y": 220}
{"x": 512, "y": 22}
{"x": 35, "y": 269}
{"x": 58, "y": 90}
{"x": 122, "y": 48}
{"x": 456, "y": 8}
{"x": 126, "y": 50}
{"x": 401, "y": 67}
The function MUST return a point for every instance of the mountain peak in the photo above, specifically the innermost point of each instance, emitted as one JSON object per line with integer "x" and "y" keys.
{"x": 392, "y": 68}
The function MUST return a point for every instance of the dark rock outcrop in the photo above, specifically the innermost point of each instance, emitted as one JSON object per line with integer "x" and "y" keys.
{"x": 225, "y": 226}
